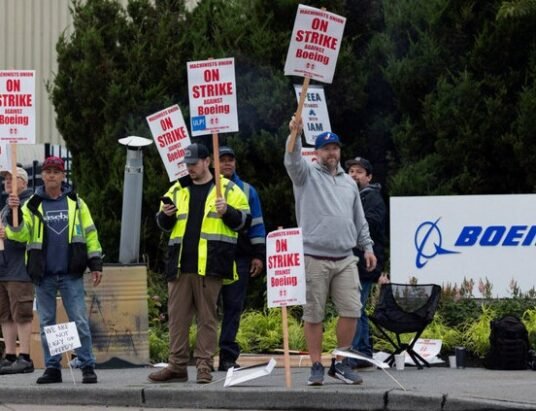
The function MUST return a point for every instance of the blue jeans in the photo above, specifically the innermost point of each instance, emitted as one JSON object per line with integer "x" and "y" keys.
{"x": 233, "y": 298}
{"x": 361, "y": 341}
{"x": 72, "y": 294}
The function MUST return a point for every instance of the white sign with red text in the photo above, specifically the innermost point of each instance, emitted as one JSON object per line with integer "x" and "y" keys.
{"x": 5, "y": 163}
{"x": 315, "y": 43}
{"x": 212, "y": 92}
{"x": 309, "y": 154}
{"x": 17, "y": 106}
{"x": 315, "y": 112}
{"x": 171, "y": 138}
{"x": 285, "y": 268}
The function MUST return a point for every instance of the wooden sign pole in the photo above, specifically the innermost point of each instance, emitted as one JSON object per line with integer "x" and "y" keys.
{"x": 216, "y": 152}
{"x": 298, "y": 113}
{"x": 14, "y": 183}
{"x": 286, "y": 352}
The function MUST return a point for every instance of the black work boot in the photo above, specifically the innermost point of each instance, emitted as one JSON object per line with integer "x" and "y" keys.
{"x": 88, "y": 375}
{"x": 50, "y": 376}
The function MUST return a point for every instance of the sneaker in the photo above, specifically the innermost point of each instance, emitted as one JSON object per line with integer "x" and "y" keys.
{"x": 50, "y": 376}
{"x": 317, "y": 374}
{"x": 344, "y": 372}
{"x": 89, "y": 376}
{"x": 167, "y": 375}
{"x": 203, "y": 374}
{"x": 361, "y": 365}
{"x": 4, "y": 362}
{"x": 19, "y": 366}
{"x": 225, "y": 365}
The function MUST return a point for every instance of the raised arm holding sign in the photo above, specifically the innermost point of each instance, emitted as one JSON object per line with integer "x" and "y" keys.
{"x": 331, "y": 217}
{"x": 313, "y": 50}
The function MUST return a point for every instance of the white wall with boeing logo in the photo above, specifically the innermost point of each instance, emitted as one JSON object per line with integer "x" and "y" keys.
{"x": 443, "y": 239}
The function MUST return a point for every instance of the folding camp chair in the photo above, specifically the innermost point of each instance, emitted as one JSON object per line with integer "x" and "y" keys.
{"x": 405, "y": 308}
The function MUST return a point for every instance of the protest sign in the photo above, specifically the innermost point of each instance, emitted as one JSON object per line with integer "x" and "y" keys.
{"x": 315, "y": 112}
{"x": 212, "y": 92}
{"x": 309, "y": 154}
{"x": 62, "y": 337}
{"x": 171, "y": 138}
{"x": 4, "y": 157}
{"x": 315, "y": 43}
{"x": 17, "y": 106}
{"x": 313, "y": 51}
{"x": 243, "y": 374}
{"x": 285, "y": 268}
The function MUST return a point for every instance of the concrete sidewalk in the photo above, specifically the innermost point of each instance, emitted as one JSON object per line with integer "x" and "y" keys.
{"x": 437, "y": 388}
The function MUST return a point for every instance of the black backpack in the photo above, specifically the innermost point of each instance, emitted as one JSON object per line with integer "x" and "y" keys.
{"x": 509, "y": 344}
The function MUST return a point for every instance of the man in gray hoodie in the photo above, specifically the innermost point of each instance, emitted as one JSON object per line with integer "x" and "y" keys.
{"x": 329, "y": 211}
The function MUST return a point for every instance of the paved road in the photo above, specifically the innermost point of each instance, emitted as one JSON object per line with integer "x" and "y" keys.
{"x": 438, "y": 388}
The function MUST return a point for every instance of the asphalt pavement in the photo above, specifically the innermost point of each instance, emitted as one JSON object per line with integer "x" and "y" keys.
{"x": 436, "y": 388}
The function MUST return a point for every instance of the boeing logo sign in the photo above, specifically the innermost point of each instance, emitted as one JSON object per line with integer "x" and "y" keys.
{"x": 428, "y": 243}
{"x": 446, "y": 239}
{"x": 429, "y": 240}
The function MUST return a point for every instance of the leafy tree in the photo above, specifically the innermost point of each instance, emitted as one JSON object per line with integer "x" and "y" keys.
{"x": 461, "y": 81}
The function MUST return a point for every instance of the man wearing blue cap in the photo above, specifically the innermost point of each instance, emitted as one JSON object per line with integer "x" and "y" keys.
{"x": 330, "y": 213}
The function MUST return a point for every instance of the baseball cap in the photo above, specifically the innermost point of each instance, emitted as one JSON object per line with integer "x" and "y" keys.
{"x": 227, "y": 151}
{"x": 359, "y": 161}
{"x": 327, "y": 137}
{"x": 53, "y": 162}
{"x": 195, "y": 152}
{"x": 21, "y": 172}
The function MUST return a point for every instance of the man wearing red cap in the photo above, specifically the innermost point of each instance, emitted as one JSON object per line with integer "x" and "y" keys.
{"x": 62, "y": 242}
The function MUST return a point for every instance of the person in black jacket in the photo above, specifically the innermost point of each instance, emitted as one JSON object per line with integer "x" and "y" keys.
{"x": 360, "y": 169}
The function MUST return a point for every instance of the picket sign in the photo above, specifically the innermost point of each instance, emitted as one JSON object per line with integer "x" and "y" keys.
{"x": 62, "y": 338}
{"x": 213, "y": 108}
{"x": 285, "y": 279}
{"x": 316, "y": 117}
{"x": 313, "y": 51}
{"x": 17, "y": 116}
{"x": 171, "y": 137}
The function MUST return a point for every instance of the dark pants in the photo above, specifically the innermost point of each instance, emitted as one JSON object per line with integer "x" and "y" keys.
{"x": 233, "y": 299}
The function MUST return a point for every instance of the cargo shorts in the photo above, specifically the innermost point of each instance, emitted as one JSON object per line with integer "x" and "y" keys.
{"x": 338, "y": 279}
{"x": 16, "y": 301}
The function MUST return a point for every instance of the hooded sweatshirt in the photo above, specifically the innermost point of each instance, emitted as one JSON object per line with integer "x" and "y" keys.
{"x": 12, "y": 259}
{"x": 56, "y": 218}
{"x": 328, "y": 208}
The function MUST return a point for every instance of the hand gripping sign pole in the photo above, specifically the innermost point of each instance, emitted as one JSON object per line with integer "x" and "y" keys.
{"x": 285, "y": 279}
{"x": 313, "y": 50}
{"x": 298, "y": 114}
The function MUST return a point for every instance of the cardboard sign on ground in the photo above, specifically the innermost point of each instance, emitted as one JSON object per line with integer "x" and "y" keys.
{"x": 239, "y": 375}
